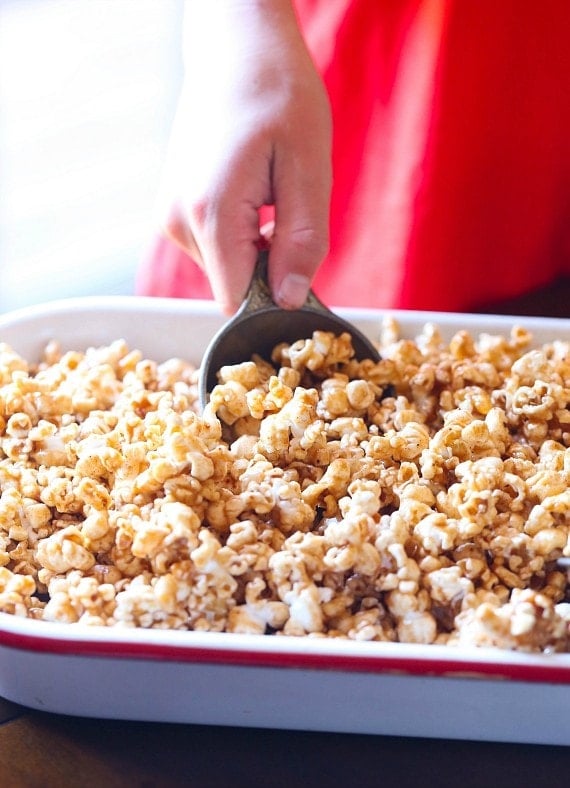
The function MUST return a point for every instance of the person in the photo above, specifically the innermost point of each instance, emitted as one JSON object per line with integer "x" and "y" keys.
{"x": 410, "y": 154}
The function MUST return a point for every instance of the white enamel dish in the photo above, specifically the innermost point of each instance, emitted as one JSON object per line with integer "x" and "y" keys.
{"x": 254, "y": 680}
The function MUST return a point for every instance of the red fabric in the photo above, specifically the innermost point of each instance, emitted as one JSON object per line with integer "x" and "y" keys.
{"x": 451, "y": 153}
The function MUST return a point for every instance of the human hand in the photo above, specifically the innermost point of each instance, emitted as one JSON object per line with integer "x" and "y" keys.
{"x": 253, "y": 128}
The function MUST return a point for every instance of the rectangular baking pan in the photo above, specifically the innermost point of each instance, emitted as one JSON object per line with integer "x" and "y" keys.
{"x": 254, "y": 680}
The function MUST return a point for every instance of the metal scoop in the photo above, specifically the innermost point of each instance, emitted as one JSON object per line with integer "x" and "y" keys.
{"x": 260, "y": 324}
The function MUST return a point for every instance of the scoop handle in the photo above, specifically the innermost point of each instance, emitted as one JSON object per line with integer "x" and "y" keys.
{"x": 259, "y": 294}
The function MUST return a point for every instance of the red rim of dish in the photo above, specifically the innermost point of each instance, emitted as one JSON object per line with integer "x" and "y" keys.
{"x": 381, "y": 664}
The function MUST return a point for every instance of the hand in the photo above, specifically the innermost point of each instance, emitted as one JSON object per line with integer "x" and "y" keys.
{"x": 253, "y": 128}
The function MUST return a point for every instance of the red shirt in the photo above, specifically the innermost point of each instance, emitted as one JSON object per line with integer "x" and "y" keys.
{"x": 451, "y": 153}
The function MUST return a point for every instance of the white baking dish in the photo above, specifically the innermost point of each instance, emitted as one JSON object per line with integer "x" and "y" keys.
{"x": 250, "y": 680}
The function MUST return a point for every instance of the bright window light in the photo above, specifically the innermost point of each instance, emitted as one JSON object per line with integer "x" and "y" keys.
{"x": 87, "y": 95}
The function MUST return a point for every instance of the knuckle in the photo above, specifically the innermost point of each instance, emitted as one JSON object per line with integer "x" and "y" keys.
{"x": 310, "y": 242}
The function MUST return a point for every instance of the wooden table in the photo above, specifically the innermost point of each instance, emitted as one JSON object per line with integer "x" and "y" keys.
{"x": 51, "y": 751}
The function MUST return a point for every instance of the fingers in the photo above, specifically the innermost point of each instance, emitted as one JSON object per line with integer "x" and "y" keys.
{"x": 223, "y": 237}
{"x": 228, "y": 244}
{"x": 300, "y": 238}
{"x": 227, "y": 257}
{"x": 218, "y": 228}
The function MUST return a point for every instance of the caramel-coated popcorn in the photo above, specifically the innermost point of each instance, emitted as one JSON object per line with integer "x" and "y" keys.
{"x": 423, "y": 498}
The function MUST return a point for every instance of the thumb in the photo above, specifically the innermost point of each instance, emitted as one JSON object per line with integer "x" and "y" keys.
{"x": 301, "y": 236}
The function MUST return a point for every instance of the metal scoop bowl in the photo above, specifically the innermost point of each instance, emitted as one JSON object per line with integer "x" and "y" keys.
{"x": 260, "y": 325}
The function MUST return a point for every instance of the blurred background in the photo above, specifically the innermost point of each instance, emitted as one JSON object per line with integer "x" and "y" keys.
{"x": 87, "y": 95}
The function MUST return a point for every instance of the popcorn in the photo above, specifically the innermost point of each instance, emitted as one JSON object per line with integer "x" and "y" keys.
{"x": 422, "y": 498}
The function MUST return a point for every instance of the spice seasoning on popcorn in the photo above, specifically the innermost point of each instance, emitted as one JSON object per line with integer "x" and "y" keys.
{"x": 424, "y": 498}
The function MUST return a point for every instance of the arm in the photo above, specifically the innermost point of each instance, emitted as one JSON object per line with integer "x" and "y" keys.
{"x": 253, "y": 128}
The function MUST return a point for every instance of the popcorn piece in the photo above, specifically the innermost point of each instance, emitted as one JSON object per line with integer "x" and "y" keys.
{"x": 15, "y": 592}
{"x": 64, "y": 550}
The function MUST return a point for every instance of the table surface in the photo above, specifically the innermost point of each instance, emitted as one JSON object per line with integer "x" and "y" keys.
{"x": 45, "y": 750}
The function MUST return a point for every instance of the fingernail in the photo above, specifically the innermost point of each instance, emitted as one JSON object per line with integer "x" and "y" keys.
{"x": 293, "y": 291}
